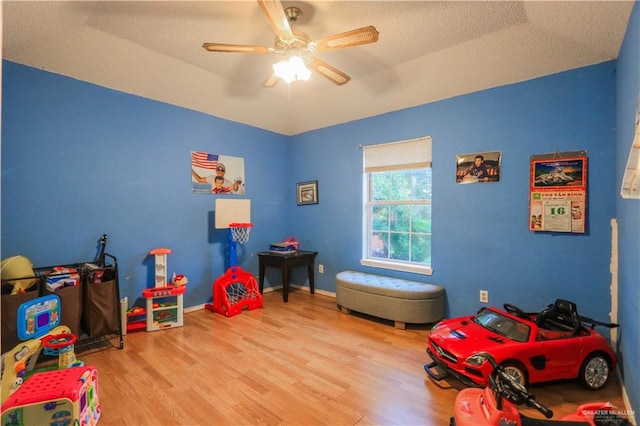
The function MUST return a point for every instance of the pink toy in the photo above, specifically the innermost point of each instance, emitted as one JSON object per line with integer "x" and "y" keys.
{"x": 59, "y": 397}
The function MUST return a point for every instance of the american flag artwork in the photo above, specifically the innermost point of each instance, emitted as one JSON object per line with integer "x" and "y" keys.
{"x": 217, "y": 174}
{"x": 204, "y": 160}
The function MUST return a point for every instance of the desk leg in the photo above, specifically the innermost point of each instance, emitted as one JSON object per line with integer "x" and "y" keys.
{"x": 311, "y": 278}
{"x": 285, "y": 283}
{"x": 261, "y": 268}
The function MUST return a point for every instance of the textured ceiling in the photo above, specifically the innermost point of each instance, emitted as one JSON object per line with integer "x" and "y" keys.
{"x": 427, "y": 51}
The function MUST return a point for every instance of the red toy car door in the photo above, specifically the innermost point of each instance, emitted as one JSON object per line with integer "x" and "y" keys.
{"x": 556, "y": 358}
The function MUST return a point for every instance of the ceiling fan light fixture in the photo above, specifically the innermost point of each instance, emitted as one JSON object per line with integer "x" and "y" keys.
{"x": 297, "y": 46}
{"x": 292, "y": 69}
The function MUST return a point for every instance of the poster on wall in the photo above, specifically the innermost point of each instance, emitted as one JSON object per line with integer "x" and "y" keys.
{"x": 217, "y": 174}
{"x": 478, "y": 167}
{"x": 558, "y": 192}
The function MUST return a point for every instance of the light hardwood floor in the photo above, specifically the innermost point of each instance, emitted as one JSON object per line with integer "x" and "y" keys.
{"x": 299, "y": 363}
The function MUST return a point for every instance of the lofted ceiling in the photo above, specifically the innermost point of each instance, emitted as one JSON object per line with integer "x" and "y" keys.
{"x": 427, "y": 51}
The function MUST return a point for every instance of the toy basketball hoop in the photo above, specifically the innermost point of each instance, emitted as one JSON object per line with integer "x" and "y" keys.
{"x": 60, "y": 345}
{"x": 240, "y": 232}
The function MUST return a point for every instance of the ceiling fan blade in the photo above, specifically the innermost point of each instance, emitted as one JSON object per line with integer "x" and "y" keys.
{"x": 271, "y": 80}
{"x": 351, "y": 38}
{"x": 329, "y": 72}
{"x": 236, "y": 48}
{"x": 277, "y": 18}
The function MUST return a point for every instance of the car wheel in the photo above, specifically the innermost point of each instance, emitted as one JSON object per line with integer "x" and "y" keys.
{"x": 519, "y": 374}
{"x": 594, "y": 371}
{"x": 516, "y": 371}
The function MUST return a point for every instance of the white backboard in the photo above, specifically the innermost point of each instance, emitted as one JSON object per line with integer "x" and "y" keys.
{"x": 231, "y": 211}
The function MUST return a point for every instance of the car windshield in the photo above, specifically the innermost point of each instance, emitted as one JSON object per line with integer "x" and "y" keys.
{"x": 503, "y": 325}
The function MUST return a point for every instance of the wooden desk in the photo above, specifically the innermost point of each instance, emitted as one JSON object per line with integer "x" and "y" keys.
{"x": 286, "y": 262}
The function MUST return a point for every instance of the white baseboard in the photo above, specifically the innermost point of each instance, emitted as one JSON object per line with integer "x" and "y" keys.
{"x": 629, "y": 413}
{"x": 308, "y": 289}
{"x": 194, "y": 308}
{"x": 269, "y": 290}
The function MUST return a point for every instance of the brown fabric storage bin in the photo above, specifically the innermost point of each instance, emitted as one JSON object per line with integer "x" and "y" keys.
{"x": 9, "y": 307}
{"x": 100, "y": 307}
{"x": 70, "y": 306}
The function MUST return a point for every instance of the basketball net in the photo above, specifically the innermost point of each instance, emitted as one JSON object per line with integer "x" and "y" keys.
{"x": 234, "y": 291}
{"x": 240, "y": 232}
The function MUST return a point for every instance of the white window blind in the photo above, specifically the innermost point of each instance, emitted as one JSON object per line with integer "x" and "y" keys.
{"x": 407, "y": 154}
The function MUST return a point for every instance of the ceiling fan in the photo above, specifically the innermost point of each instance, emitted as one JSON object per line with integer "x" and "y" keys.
{"x": 291, "y": 42}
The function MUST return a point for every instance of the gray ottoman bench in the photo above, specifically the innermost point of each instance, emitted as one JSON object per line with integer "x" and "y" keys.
{"x": 398, "y": 300}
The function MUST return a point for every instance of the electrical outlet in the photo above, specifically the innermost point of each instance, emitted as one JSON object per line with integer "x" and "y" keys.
{"x": 321, "y": 268}
{"x": 484, "y": 296}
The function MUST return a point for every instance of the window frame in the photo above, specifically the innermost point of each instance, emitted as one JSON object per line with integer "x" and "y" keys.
{"x": 390, "y": 162}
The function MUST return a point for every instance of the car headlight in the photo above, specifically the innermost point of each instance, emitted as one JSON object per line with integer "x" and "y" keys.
{"x": 476, "y": 360}
{"x": 435, "y": 327}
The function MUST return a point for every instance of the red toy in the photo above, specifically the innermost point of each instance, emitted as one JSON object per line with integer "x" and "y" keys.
{"x": 164, "y": 302}
{"x": 59, "y": 397}
{"x": 38, "y": 329}
{"x": 164, "y": 307}
{"x": 234, "y": 291}
{"x": 496, "y": 406}
{"x": 551, "y": 345}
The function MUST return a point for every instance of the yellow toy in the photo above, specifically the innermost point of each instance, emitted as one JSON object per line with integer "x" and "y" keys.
{"x": 179, "y": 280}
{"x": 18, "y": 271}
{"x": 20, "y": 360}
{"x": 38, "y": 328}
{"x": 59, "y": 397}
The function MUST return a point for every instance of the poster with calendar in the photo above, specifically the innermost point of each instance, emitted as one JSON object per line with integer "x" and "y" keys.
{"x": 558, "y": 192}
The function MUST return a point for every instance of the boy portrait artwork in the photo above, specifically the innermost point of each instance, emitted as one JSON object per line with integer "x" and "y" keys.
{"x": 478, "y": 167}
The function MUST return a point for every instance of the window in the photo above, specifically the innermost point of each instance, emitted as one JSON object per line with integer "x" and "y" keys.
{"x": 397, "y": 199}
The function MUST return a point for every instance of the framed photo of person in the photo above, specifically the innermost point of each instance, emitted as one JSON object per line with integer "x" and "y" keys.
{"x": 217, "y": 174}
{"x": 307, "y": 193}
{"x": 479, "y": 167}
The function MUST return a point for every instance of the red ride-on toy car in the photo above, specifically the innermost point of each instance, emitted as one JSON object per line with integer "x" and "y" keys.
{"x": 554, "y": 344}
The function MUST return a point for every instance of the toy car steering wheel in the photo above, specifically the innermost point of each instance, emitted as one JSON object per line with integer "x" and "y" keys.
{"x": 514, "y": 310}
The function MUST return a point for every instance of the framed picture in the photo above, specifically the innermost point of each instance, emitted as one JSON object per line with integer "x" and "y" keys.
{"x": 217, "y": 174}
{"x": 478, "y": 167}
{"x": 558, "y": 192}
{"x": 307, "y": 193}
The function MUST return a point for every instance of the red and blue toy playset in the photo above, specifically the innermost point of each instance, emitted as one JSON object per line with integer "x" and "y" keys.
{"x": 63, "y": 396}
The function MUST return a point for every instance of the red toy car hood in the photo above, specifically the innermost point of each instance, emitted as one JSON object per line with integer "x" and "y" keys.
{"x": 464, "y": 337}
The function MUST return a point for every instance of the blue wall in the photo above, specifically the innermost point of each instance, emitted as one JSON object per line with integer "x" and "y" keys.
{"x": 480, "y": 232}
{"x": 628, "y": 210}
{"x": 80, "y": 160}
